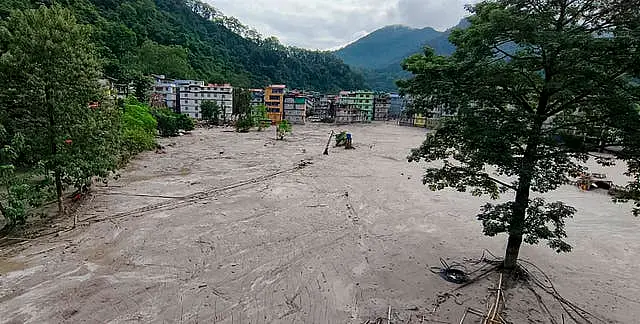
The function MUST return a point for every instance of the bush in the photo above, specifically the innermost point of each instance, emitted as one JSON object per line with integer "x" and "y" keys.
{"x": 284, "y": 127}
{"x": 138, "y": 128}
{"x": 167, "y": 122}
{"x": 170, "y": 123}
{"x": 186, "y": 123}
{"x": 244, "y": 124}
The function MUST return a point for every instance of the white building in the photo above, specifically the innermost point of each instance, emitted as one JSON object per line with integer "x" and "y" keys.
{"x": 186, "y": 96}
{"x": 165, "y": 90}
{"x": 295, "y": 107}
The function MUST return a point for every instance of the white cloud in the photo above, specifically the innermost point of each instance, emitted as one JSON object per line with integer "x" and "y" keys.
{"x": 330, "y": 24}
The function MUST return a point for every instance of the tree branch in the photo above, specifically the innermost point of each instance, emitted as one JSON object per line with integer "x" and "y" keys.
{"x": 579, "y": 97}
{"x": 504, "y": 184}
{"x": 513, "y": 57}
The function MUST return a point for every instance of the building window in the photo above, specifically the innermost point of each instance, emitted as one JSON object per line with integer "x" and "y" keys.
{"x": 196, "y": 115}
{"x": 274, "y": 97}
{"x": 186, "y": 101}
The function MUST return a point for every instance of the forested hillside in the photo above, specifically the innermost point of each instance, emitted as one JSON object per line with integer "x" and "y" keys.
{"x": 190, "y": 39}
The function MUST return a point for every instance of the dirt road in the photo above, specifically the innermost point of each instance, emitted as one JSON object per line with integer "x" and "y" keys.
{"x": 232, "y": 228}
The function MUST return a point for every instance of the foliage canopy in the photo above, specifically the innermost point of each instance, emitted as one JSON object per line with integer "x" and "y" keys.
{"x": 526, "y": 78}
{"x": 191, "y": 39}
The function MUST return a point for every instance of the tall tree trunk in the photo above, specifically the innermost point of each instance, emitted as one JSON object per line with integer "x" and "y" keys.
{"x": 516, "y": 225}
{"x": 3, "y": 211}
{"x": 58, "y": 180}
{"x": 513, "y": 250}
{"x": 54, "y": 149}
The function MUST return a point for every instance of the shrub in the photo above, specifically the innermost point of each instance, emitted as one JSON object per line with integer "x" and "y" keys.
{"x": 138, "y": 128}
{"x": 170, "y": 123}
{"x": 186, "y": 123}
{"x": 284, "y": 127}
{"x": 244, "y": 124}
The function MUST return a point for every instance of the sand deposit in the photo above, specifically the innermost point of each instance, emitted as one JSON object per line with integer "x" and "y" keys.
{"x": 232, "y": 228}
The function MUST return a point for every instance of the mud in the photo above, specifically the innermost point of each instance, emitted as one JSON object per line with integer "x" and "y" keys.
{"x": 232, "y": 228}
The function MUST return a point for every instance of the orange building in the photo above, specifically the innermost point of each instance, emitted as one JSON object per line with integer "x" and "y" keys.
{"x": 274, "y": 100}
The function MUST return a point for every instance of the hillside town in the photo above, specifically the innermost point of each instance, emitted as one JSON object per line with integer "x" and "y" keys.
{"x": 296, "y": 106}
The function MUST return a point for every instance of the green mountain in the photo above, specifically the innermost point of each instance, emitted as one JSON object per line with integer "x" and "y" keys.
{"x": 386, "y": 46}
{"x": 379, "y": 54}
{"x": 190, "y": 39}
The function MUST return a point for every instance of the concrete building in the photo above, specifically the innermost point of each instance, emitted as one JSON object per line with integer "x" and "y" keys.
{"x": 363, "y": 99}
{"x": 257, "y": 97}
{"x": 191, "y": 94}
{"x": 381, "y": 104}
{"x": 164, "y": 90}
{"x": 326, "y": 106}
{"x": 186, "y": 96}
{"x": 346, "y": 98}
{"x": 314, "y": 102}
{"x": 349, "y": 113}
{"x": 397, "y": 105}
{"x": 274, "y": 100}
{"x": 295, "y": 107}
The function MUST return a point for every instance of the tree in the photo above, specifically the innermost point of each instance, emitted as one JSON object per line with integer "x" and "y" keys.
{"x": 210, "y": 112}
{"x": 169, "y": 60}
{"x": 241, "y": 103}
{"x": 13, "y": 210}
{"x": 170, "y": 123}
{"x": 284, "y": 128}
{"x": 259, "y": 115}
{"x": 50, "y": 71}
{"x": 186, "y": 123}
{"x": 527, "y": 76}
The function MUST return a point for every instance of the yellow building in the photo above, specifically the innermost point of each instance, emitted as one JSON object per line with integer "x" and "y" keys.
{"x": 419, "y": 120}
{"x": 274, "y": 100}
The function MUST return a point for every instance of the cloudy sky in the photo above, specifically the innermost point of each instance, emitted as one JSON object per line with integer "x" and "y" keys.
{"x": 329, "y": 24}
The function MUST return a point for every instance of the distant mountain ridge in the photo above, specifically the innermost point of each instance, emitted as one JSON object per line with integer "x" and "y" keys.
{"x": 385, "y": 46}
{"x": 378, "y": 55}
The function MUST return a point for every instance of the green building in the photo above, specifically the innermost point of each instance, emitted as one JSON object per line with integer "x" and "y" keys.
{"x": 362, "y": 99}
